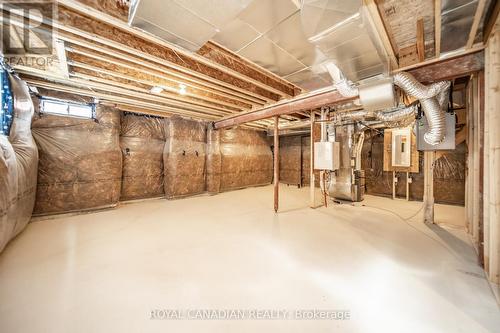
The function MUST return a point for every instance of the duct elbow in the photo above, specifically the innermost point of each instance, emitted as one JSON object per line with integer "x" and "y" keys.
{"x": 433, "y": 99}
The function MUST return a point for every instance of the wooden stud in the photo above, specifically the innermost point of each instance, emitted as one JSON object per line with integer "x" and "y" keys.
{"x": 475, "y": 23}
{"x": 420, "y": 40}
{"x": 437, "y": 28}
{"x": 488, "y": 26}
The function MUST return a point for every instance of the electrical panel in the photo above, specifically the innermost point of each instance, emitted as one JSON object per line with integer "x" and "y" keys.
{"x": 449, "y": 139}
{"x": 401, "y": 147}
{"x": 326, "y": 155}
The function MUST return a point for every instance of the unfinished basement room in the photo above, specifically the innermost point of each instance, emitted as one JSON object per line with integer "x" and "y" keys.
{"x": 249, "y": 166}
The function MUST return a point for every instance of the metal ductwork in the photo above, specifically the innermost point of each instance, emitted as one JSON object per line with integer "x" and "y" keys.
{"x": 433, "y": 99}
{"x": 396, "y": 117}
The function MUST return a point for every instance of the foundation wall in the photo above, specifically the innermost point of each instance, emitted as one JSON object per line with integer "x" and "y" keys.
{"x": 80, "y": 163}
{"x": 246, "y": 159}
{"x": 142, "y": 141}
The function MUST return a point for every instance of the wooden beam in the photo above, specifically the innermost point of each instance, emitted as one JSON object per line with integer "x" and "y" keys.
{"x": 72, "y": 23}
{"x": 445, "y": 69}
{"x": 420, "y": 40}
{"x": 71, "y": 11}
{"x": 303, "y": 102}
{"x": 375, "y": 20}
{"x": 437, "y": 28}
{"x": 161, "y": 76}
{"x": 276, "y": 163}
{"x": 135, "y": 58}
{"x": 475, "y": 23}
{"x": 227, "y": 58}
{"x": 492, "y": 20}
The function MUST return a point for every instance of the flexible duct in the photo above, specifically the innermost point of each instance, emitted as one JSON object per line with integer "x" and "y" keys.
{"x": 433, "y": 99}
{"x": 392, "y": 118}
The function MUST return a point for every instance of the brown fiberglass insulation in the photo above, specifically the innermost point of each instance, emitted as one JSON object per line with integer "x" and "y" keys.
{"x": 142, "y": 141}
{"x": 80, "y": 161}
{"x": 246, "y": 159}
{"x": 291, "y": 160}
{"x": 18, "y": 166}
{"x": 184, "y": 158}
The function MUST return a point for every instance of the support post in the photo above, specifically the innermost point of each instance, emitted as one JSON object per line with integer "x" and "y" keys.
{"x": 276, "y": 163}
{"x": 312, "y": 179}
{"x": 429, "y": 157}
{"x": 393, "y": 185}
{"x": 407, "y": 186}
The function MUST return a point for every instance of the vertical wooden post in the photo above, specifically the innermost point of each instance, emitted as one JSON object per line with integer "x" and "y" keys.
{"x": 276, "y": 163}
{"x": 407, "y": 186}
{"x": 492, "y": 68}
{"x": 393, "y": 185}
{"x": 429, "y": 157}
{"x": 312, "y": 181}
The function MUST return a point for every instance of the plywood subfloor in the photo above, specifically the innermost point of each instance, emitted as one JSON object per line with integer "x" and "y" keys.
{"x": 106, "y": 271}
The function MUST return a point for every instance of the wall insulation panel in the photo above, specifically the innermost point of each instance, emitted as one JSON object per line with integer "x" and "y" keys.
{"x": 246, "y": 159}
{"x": 184, "y": 157}
{"x": 80, "y": 161}
{"x": 142, "y": 141}
{"x": 291, "y": 160}
{"x": 18, "y": 166}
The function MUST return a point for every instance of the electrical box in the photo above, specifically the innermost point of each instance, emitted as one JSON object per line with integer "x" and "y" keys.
{"x": 326, "y": 155}
{"x": 448, "y": 142}
{"x": 401, "y": 147}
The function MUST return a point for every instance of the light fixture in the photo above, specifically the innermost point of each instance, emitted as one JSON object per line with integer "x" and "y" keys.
{"x": 182, "y": 89}
{"x": 156, "y": 90}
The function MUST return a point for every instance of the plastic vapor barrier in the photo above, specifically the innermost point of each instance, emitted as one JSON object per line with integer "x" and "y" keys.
{"x": 246, "y": 159}
{"x": 291, "y": 160}
{"x": 80, "y": 161}
{"x": 18, "y": 166}
{"x": 214, "y": 161}
{"x": 184, "y": 157}
{"x": 142, "y": 141}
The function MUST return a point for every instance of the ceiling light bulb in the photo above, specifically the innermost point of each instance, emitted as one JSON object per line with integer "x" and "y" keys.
{"x": 182, "y": 89}
{"x": 156, "y": 90}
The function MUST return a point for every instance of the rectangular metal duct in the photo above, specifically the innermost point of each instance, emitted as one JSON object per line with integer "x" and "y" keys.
{"x": 186, "y": 23}
{"x": 378, "y": 95}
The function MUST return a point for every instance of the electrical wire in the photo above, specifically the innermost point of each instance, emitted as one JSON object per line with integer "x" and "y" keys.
{"x": 406, "y": 221}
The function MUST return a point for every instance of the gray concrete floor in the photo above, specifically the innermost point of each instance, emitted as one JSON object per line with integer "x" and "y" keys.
{"x": 106, "y": 271}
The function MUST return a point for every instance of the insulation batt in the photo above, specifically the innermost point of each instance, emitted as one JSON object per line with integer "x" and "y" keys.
{"x": 290, "y": 160}
{"x": 142, "y": 141}
{"x": 184, "y": 157}
{"x": 18, "y": 167}
{"x": 80, "y": 161}
{"x": 246, "y": 159}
